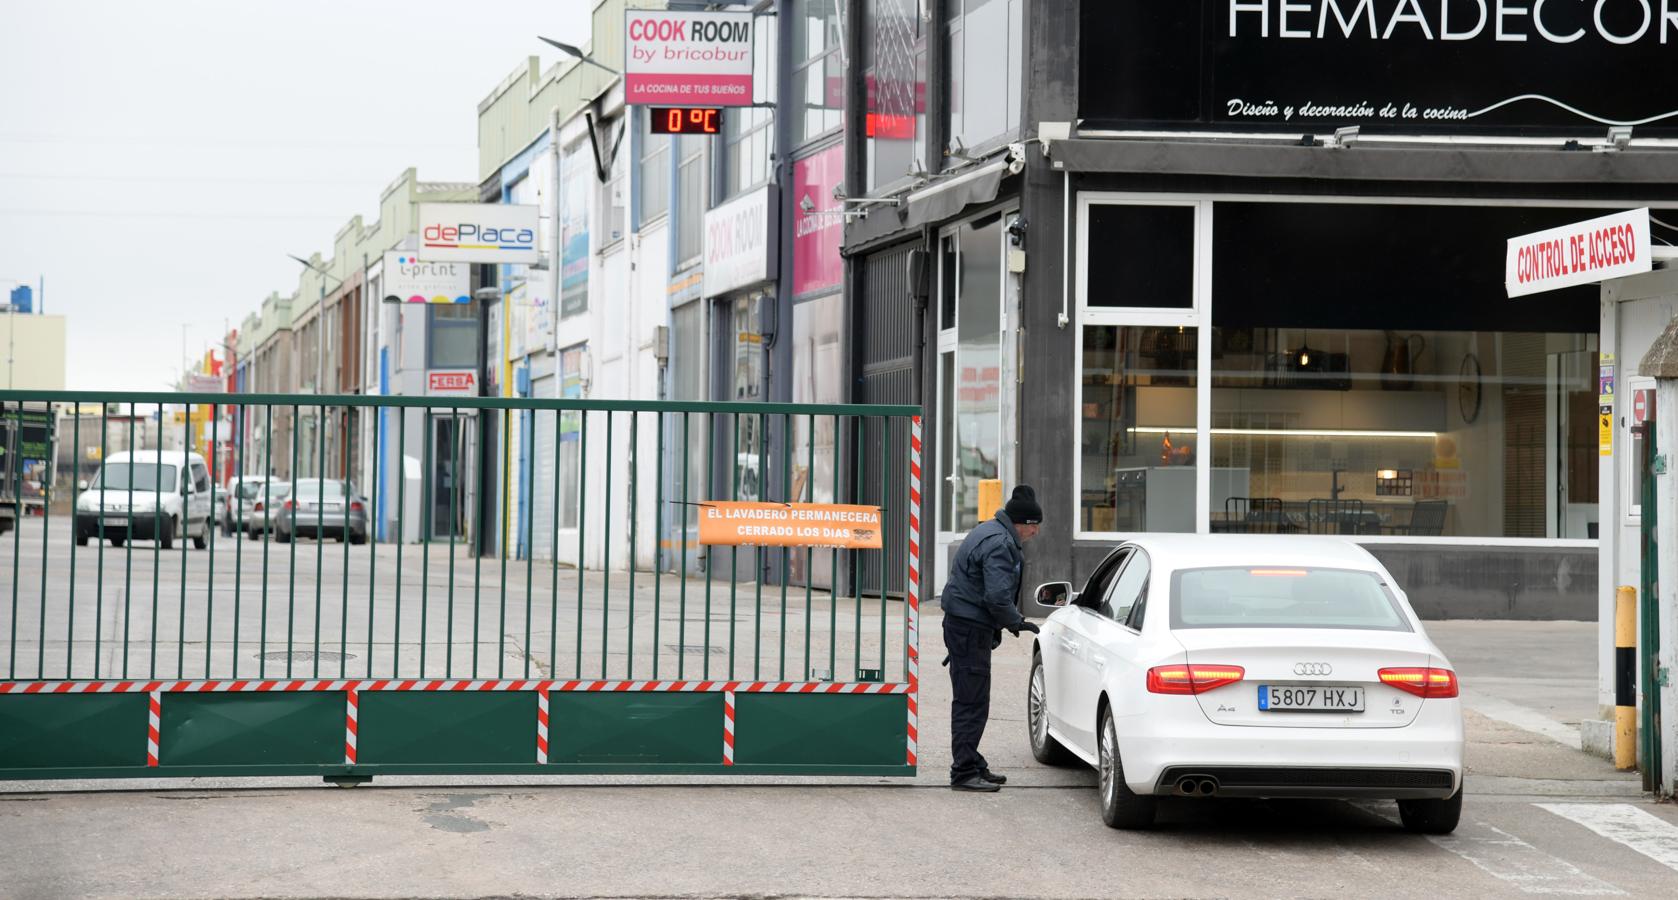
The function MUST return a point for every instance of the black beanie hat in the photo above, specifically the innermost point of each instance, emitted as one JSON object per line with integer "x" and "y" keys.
{"x": 1022, "y": 508}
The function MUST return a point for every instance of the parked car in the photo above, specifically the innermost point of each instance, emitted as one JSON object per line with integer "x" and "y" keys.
{"x": 147, "y": 494}
{"x": 237, "y": 501}
{"x": 265, "y": 509}
{"x": 319, "y": 509}
{"x": 1246, "y": 666}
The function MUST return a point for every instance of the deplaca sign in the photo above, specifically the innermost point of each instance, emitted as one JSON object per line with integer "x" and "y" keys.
{"x": 1611, "y": 246}
{"x": 687, "y": 58}
{"x": 408, "y": 279}
{"x": 478, "y": 233}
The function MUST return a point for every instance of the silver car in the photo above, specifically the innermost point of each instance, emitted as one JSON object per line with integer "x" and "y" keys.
{"x": 263, "y": 507}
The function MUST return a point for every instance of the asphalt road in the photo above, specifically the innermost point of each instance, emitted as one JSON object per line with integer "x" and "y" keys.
{"x": 1541, "y": 818}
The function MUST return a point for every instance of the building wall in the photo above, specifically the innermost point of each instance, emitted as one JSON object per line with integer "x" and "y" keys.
{"x": 34, "y": 346}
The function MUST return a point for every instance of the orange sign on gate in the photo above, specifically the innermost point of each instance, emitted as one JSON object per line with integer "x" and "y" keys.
{"x": 738, "y": 523}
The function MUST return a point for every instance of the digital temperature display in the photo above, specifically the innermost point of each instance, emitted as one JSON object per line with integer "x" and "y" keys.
{"x": 686, "y": 120}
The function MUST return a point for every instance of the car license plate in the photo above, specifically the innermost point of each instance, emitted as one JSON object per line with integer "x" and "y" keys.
{"x": 116, "y": 522}
{"x": 1310, "y": 698}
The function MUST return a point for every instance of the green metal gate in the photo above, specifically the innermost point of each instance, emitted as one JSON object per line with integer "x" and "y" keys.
{"x": 301, "y": 644}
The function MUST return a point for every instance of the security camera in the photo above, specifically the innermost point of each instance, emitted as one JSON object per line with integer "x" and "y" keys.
{"x": 1016, "y": 232}
{"x": 805, "y": 205}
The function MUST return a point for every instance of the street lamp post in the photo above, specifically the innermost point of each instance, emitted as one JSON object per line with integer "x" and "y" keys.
{"x": 320, "y": 338}
{"x": 484, "y": 296}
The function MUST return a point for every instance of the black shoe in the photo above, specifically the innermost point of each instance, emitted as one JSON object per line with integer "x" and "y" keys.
{"x": 992, "y": 777}
{"x": 976, "y": 784}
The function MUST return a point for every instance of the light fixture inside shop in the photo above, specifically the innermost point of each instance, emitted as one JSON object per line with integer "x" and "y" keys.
{"x": 1386, "y": 474}
{"x": 1291, "y": 432}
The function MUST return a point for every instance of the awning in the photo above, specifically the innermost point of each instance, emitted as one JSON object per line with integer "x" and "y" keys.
{"x": 930, "y": 204}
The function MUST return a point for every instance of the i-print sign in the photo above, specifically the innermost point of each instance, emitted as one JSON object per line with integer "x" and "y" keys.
{"x": 687, "y": 58}
{"x": 1612, "y": 246}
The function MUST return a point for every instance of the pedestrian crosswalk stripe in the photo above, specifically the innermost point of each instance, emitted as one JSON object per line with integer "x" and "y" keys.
{"x": 1624, "y": 823}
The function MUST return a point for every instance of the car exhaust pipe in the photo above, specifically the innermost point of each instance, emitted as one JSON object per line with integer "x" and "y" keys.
{"x": 1196, "y": 786}
{"x": 1208, "y": 787}
{"x": 1186, "y": 787}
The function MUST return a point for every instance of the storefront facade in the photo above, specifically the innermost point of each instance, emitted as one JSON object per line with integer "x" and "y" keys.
{"x": 1173, "y": 312}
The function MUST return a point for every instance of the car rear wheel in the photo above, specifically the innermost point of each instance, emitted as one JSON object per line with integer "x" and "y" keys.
{"x": 203, "y": 538}
{"x": 1044, "y": 748}
{"x": 81, "y": 538}
{"x": 167, "y": 540}
{"x": 116, "y": 542}
{"x": 1431, "y": 816}
{"x": 1120, "y": 806}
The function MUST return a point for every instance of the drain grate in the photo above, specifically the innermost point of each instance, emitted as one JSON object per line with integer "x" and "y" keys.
{"x": 306, "y": 656}
{"x": 713, "y": 650}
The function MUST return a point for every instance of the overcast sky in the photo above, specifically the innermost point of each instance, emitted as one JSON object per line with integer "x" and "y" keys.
{"x": 159, "y": 159}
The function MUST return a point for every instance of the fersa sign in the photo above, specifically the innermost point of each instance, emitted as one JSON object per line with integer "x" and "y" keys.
{"x": 478, "y": 233}
{"x": 1527, "y": 67}
{"x": 455, "y": 382}
{"x": 687, "y": 58}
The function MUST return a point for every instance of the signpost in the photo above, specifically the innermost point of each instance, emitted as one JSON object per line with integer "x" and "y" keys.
{"x": 478, "y": 233}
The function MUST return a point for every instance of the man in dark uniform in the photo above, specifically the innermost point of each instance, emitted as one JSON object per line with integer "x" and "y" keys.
{"x": 980, "y": 600}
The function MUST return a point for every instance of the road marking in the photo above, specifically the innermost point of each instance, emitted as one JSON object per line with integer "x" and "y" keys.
{"x": 1522, "y": 717}
{"x": 1510, "y": 859}
{"x": 1624, "y": 823}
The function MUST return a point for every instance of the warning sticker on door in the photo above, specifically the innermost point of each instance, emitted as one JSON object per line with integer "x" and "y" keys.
{"x": 1605, "y": 430}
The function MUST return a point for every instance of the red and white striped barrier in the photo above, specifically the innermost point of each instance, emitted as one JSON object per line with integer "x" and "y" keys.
{"x": 351, "y": 713}
{"x": 154, "y": 721}
{"x": 912, "y": 608}
{"x": 391, "y": 684}
{"x": 542, "y": 727}
{"x": 728, "y": 728}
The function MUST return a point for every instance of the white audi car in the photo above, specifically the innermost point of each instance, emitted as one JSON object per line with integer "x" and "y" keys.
{"x": 1246, "y": 666}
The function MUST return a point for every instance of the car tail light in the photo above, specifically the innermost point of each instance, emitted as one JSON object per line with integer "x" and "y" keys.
{"x": 357, "y": 507}
{"x": 257, "y": 507}
{"x": 1424, "y": 683}
{"x": 289, "y": 505}
{"x": 1192, "y": 679}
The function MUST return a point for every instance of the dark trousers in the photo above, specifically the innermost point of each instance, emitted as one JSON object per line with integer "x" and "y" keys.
{"x": 969, "y": 645}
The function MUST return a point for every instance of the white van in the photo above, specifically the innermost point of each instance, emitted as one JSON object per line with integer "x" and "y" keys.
{"x": 147, "y": 494}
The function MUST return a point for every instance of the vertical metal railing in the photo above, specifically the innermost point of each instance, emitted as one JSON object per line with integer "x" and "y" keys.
{"x": 618, "y": 579}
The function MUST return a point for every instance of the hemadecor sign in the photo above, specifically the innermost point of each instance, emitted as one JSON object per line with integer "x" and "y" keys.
{"x": 478, "y": 233}
{"x": 1398, "y": 66}
{"x": 1608, "y": 247}
{"x": 687, "y": 58}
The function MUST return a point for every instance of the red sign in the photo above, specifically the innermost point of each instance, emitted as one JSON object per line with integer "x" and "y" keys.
{"x": 1642, "y": 403}
{"x": 818, "y": 221}
{"x": 461, "y": 382}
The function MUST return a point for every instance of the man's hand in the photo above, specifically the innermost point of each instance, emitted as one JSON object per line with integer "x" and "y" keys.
{"x": 1026, "y": 626}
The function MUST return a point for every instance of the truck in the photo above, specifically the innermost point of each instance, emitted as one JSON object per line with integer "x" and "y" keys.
{"x": 26, "y": 462}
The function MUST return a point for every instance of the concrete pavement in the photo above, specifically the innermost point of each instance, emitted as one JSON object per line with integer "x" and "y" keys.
{"x": 1541, "y": 818}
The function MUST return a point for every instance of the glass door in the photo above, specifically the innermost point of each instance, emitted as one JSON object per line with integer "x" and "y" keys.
{"x": 974, "y": 450}
{"x": 447, "y": 506}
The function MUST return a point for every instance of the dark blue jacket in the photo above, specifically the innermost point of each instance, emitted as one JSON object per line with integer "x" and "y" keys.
{"x": 984, "y": 583}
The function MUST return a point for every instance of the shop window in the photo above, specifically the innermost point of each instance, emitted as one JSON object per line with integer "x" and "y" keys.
{"x": 1140, "y": 256}
{"x": 654, "y": 175}
{"x": 1137, "y": 440}
{"x": 894, "y": 85}
{"x": 572, "y": 386}
{"x": 817, "y": 373}
{"x": 985, "y": 39}
{"x": 688, "y": 383}
{"x": 452, "y": 336}
{"x": 748, "y": 132}
{"x": 817, "y": 95}
{"x": 690, "y": 192}
{"x": 1412, "y": 401}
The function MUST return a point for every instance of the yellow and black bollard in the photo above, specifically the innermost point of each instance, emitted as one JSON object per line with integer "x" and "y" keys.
{"x": 1625, "y": 678}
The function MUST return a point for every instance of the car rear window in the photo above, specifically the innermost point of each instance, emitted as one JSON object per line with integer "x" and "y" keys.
{"x": 1283, "y": 597}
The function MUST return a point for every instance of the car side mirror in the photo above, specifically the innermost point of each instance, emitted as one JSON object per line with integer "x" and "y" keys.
{"x": 81, "y": 485}
{"x": 1048, "y": 597}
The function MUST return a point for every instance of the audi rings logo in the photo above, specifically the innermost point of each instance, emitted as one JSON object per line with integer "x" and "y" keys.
{"x": 1313, "y": 669}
